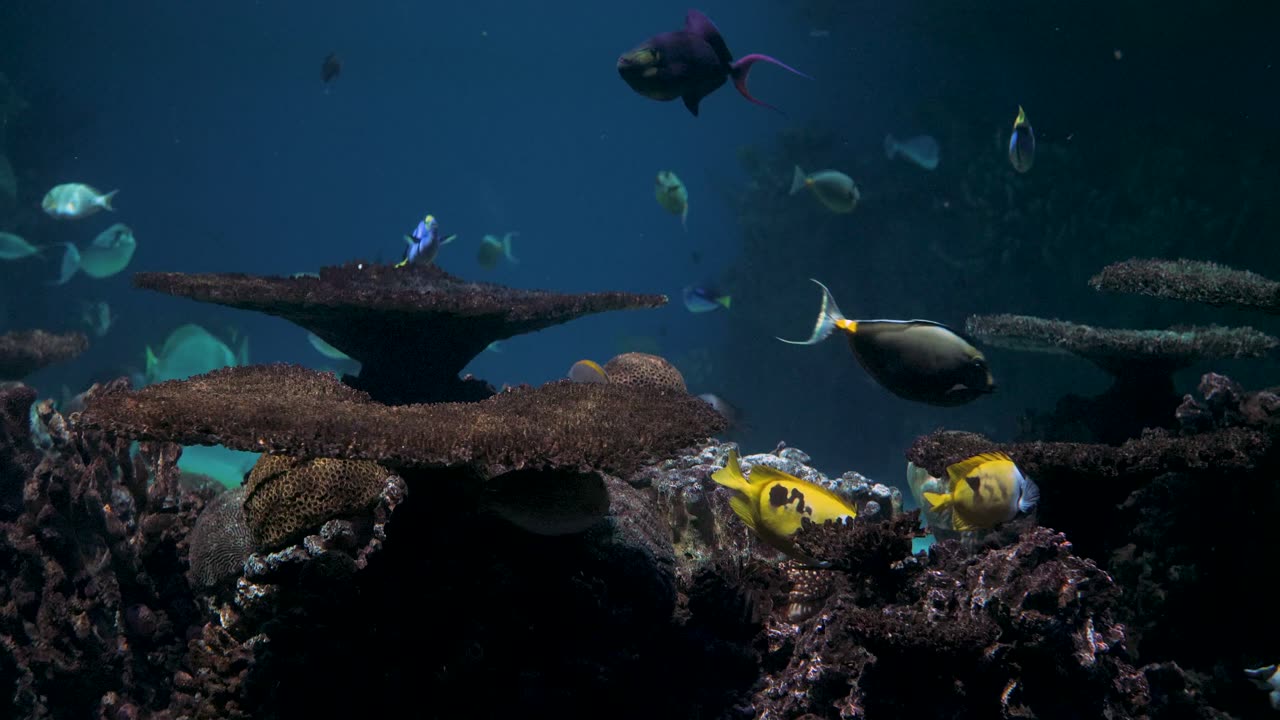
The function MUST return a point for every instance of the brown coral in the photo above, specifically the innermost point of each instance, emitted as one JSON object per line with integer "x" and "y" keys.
{"x": 413, "y": 329}
{"x": 24, "y": 352}
{"x": 286, "y": 497}
{"x": 637, "y": 368}
{"x": 220, "y": 540}
{"x": 291, "y": 410}
{"x": 1192, "y": 281}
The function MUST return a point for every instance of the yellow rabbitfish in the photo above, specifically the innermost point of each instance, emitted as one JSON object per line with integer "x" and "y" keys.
{"x": 672, "y": 195}
{"x": 774, "y": 504}
{"x": 985, "y": 490}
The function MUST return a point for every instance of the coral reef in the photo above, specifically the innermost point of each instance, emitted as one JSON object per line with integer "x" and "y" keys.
{"x": 1192, "y": 281}
{"x": 1162, "y": 513}
{"x": 18, "y": 454}
{"x": 219, "y": 542}
{"x": 286, "y": 497}
{"x": 26, "y": 351}
{"x": 1141, "y": 363}
{"x": 292, "y": 410}
{"x": 413, "y": 329}
{"x": 636, "y": 368}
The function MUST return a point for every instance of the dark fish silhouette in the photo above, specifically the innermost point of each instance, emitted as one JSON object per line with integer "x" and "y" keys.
{"x": 689, "y": 64}
{"x": 331, "y": 68}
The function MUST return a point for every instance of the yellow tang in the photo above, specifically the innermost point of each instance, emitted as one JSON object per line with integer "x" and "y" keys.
{"x": 774, "y": 504}
{"x": 986, "y": 490}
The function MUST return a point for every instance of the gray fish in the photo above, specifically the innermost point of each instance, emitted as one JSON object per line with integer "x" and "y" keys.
{"x": 13, "y": 247}
{"x": 918, "y": 360}
{"x": 833, "y": 188}
{"x": 72, "y": 201}
{"x": 921, "y": 150}
{"x": 109, "y": 253}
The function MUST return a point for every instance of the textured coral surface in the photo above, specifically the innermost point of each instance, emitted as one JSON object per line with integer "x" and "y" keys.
{"x": 23, "y": 352}
{"x": 295, "y": 411}
{"x": 1192, "y": 281}
{"x": 413, "y": 329}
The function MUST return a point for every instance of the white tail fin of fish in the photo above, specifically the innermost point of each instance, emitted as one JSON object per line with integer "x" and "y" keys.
{"x": 828, "y": 316}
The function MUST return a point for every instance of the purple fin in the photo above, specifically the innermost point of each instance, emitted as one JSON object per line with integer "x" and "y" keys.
{"x": 698, "y": 24}
{"x": 742, "y": 67}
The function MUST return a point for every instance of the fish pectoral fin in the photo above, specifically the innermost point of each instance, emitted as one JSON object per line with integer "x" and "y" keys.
{"x": 449, "y": 239}
{"x": 408, "y": 240}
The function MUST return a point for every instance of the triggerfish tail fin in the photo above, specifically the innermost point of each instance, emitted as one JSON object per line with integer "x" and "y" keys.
{"x": 106, "y": 200}
{"x": 742, "y": 67}
{"x": 829, "y": 317}
{"x": 798, "y": 178}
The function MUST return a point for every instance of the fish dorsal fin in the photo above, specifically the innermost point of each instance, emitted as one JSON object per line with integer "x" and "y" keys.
{"x": 917, "y": 321}
{"x": 731, "y": 475}
{"x": 698, "y": 24}
{"x": 761, "y": 474}
{"x": 963, "y": 469}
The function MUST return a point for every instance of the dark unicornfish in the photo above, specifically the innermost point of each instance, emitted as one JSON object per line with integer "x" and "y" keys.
{"x": 689, "y": 64}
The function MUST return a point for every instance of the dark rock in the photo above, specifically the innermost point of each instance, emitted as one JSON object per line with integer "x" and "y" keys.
{"x": 24, "y": 352}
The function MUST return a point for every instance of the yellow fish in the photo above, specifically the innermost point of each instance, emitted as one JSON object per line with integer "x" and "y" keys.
{"x": 986, "y": 490}
{"x": 672, "y": 195}
{"x": 773, "y": 504}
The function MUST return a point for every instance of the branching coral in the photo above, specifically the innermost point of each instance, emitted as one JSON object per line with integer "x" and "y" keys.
{"x": 24, "y": 352}
{"x": 413, "y": 329}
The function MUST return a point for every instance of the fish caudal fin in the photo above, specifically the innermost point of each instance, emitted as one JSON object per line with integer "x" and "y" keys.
{"x": 798, "y": 177}
{"x": 152, "y": 362}
{"x": 742, "y": 67}
{"x": 684, "y": 219}
{"x": 106, "y": 200}
{"x": 506, "y": 247}
{"x": 828, "y": 317}
{"x": 725, "y": 301}
{"x": 890, "y": 146}
{"x": 1030, "y": 495}
{"x": 938, "y": 501}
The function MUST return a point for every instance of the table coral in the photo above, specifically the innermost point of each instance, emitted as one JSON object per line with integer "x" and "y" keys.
{"x": 295, "y": 411}
{"x": 1191, "y": 281}
{"x": 23, "y": 352}
{"x": 413, "y": 329}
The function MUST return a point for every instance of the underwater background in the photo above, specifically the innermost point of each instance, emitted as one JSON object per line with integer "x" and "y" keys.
{"x": 1157, "y": 130}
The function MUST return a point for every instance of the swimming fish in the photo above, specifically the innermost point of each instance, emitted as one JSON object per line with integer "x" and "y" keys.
{"x": 689, "y": 64}
{"x": 97, "y": 316}
{"x": 192, "y": 350}
{"x": 1267, "y": 677}
{"x": 1022, "y": 143}
{"x": 72, "y": 201}
{"x": 985, "y": 490}
{"x": 331, "y": 68}
{"x": 109, "y": 253}
{"x": 325, "y": 348}
{"x": 587, "y": 371}
{"x": 921, "y": 150}
{"x": 917, "y": 360}
{"x": 424, "y": 243}
{"x": 672, "y": 195}
{"x": 700, "y": 299}
{"x": 69, "y": 266}
{"x": 493, "y": 250}
{"x": 832, "y": 188}
{"x": 919, "y": 481}
{"x": 727, "y": 411}
{"x": 13, "y": 247}
{"x": 773, "y": 504}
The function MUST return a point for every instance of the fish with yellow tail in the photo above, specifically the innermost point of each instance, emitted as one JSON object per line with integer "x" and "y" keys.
{"x": 918, "y": 360}
{"x": 774, "y": 504}
{"x": 985, "y": 490}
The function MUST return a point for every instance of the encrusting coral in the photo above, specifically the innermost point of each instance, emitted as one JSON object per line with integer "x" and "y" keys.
{"x": 25, "y": 351}
{"x": 285, "y": 497}
{"x": 1192, "y": 281}
{"x": 637, "y": 368}
{"x": 412, "y": 328}
{"x": 220, "y": 541}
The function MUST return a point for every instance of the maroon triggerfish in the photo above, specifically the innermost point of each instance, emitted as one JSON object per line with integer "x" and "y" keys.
{"x": 689, "y": 64}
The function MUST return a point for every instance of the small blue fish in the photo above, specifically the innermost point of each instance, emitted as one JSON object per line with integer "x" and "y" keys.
{"x": 1022, "y": 143}
{"x": 921, "y": 150}
{"x": 424, "y": 243}
{"x": 699, "y": 299}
